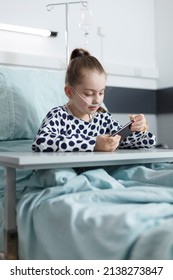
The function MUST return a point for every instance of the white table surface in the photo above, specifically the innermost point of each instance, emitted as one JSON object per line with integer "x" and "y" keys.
{"x": 32, "y": 160}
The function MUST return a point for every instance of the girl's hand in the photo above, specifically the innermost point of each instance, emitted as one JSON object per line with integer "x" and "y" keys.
{"x": 107, "y": 143}
{"x": 139, "y": 123}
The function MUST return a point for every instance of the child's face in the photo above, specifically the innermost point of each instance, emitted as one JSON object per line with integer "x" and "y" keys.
{"x": 88, "y": 96}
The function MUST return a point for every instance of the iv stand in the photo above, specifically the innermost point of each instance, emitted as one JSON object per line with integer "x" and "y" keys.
{"x": 49, "y": 7}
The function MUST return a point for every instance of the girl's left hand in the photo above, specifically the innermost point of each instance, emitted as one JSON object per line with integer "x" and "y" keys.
{"x": 139, "y": 123}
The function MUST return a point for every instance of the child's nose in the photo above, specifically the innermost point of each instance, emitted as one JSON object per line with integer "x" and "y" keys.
{"x": 96, "y": 99}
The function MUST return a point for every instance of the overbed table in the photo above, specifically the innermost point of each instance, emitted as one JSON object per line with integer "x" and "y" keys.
{"x": 30, "y": 160}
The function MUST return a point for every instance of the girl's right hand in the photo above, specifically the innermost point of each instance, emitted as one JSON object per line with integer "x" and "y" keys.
{"x": 107, "y": 143}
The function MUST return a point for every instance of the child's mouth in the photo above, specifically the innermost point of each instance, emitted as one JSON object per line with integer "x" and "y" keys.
{"x": 93, "y": 108}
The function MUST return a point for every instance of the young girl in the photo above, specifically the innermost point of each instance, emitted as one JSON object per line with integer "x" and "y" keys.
{"x": 82, "y": 124}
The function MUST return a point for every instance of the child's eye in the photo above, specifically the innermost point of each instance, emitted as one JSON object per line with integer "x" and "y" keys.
{"x": 88, "y": 93}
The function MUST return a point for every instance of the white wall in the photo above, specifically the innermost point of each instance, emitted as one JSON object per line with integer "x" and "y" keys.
{"x": 164, "y": 42}
{"x": 164, "y": 58}
{"x": 127, "y": 50}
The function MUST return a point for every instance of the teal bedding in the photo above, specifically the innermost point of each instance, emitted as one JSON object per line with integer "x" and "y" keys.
{"x": 112, "y": 213}
{"x": 119, "y": 213}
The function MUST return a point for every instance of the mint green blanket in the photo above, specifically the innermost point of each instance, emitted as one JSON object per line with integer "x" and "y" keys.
{"x": 107, "y": 213}
{"x": 112, "y": 213}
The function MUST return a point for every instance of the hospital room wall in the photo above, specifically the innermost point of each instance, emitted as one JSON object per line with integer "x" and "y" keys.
{"x": 122, "y": 36}
{"x": 164, "y": 58}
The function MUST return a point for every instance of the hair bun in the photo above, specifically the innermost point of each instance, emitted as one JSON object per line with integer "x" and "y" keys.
{"x": 79, "y": 53}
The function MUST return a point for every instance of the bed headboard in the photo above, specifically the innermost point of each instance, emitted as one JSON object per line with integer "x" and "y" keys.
{"x": 31, "y": 60}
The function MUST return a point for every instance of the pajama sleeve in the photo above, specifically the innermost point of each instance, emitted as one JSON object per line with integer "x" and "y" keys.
{"x": 139, "y": 140}
{"x": 135, "y": 140}
{"x": 56, "y": 134}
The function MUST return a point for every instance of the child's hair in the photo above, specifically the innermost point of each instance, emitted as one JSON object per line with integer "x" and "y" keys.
{"x": 81, "y": 60}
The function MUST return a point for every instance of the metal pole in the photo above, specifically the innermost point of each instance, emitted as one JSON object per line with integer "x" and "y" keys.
{"x": 67, "y": 33}
{"x": 49, "y": 8}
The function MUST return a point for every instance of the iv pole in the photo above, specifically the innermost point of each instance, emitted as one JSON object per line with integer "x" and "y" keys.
{"x": 49, "y": 7}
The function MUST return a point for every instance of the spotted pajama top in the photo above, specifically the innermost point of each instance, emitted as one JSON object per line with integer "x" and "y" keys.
{"x": 61, "y": 131}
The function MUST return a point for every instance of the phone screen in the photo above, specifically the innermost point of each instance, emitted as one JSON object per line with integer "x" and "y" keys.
{"x": 124, "y": 131}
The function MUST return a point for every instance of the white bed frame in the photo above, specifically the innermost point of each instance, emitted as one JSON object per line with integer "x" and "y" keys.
{"x": 31, "y": 60}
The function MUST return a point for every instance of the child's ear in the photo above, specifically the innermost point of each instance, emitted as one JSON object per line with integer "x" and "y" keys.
{"x": 68, "y": 91}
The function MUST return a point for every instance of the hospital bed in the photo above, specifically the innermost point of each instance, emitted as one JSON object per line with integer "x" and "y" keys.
{"x": 75, "y": 205}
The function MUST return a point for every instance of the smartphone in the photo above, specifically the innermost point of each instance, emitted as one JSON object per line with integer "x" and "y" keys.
{"x": 124, "y": 131}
